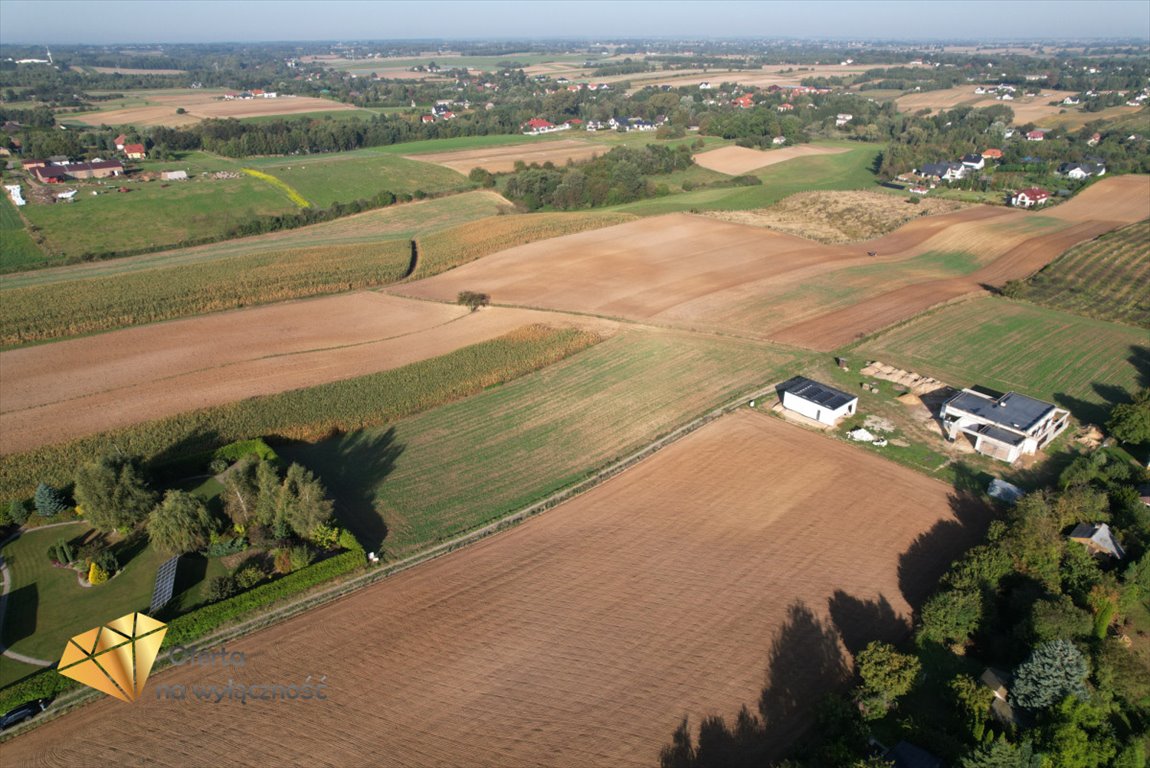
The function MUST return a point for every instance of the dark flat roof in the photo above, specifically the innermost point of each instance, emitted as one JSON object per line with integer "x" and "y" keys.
{"x": 998, "y": 434}
{"x": 809, "y": 389}
{"x": 1012, "y": 410}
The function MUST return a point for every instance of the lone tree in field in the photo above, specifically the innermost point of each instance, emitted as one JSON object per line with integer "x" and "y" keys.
{"x": 473, "y": 300}
{"x": 113, "y": 494}
{"x": 180, "y": 524}
{"x": 1052, "y": 671}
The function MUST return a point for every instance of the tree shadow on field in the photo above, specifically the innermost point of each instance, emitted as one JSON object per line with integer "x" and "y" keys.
{"x": 931, "y": 553}
{"x": 352, "y": 466}
{"x": 805, "y": 663}
{"x": 183, "y": 456}
{"x": 861, "y": 621}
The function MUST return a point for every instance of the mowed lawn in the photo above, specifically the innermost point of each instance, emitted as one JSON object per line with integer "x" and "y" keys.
{"x": 47, "y": 605}
{"x": 848, "y": 170}
{"x": 17, "y": 250}
{"x": 442, "y": 473}
{"x": 1079, "y": 363}
{"x": 345, "y": 176}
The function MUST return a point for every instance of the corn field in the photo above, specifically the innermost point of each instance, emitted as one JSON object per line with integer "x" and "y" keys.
{"x": 308, "y": 414}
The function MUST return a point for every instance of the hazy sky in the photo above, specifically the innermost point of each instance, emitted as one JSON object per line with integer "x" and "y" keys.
{"x": 177, "y": 21}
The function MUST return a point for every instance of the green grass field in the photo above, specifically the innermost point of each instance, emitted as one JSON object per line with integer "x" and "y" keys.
{"x": 151, "y": 214}
{"x": 346, "y": 176}
{"x": 17, "y": 249}
{"x": 1078, "y": 363}
{"x": 849, "y": 170}
{"x": 441, "y": 473}
{"x": 1108, "y": 278}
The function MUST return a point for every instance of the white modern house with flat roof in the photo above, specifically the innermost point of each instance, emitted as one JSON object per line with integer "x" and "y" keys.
{"x": 816, "y": 401}
{"x": 1003, "y": 427}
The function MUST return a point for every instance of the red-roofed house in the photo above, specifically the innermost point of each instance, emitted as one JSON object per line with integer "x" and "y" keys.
{"x": 427, "y": 119}
{"x": 785, "y": 107}
{"x": 135, "y": 151}
{"x": 574, "y": 121}
{"x": 121, "y": 140}
{"x": 1035, "y": 135}
{"x": 538, "y": 125}
{"x": 1029, "y": 197}
{"x": 1094, "y": 139}
{"x": 992, "y": 154}
{"x": 744, "y": 102}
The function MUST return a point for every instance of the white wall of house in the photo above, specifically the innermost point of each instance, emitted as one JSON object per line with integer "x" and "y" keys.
{"x": 818, "y": 412}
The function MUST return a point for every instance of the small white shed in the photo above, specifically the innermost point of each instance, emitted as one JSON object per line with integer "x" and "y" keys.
{"x": 817, "y": 401}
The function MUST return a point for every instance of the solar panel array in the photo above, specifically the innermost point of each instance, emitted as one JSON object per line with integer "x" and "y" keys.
{"x": 165, "y": 585}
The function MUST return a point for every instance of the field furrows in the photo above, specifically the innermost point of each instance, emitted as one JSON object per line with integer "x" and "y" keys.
{"x": 584, "y": 636}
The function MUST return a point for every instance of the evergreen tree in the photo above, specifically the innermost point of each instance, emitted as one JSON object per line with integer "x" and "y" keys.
{"x": 1054, "y": 670}
{"x": 48, "y": 501}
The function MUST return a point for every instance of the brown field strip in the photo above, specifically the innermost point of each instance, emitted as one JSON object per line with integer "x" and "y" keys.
{"x": 698, "y": 273}
{"x": 201, "y": 106}
{"x": 60, "y": 391}
{"x": 738, "y": 160}
{"x": 732, "y": 559}
{"x": 1027, "y": 109}
{"x": 503, "y": 159}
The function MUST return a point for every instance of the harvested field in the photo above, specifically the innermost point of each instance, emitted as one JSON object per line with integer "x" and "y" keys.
{"x": 735, "y": 161}
{"x": 201, "y": 105}
{"x": 838, "y": 217}
{"x": 503, "y": 159}
{"x": 1027, "y": 109}
{"x": 581, "y": 637}
{"x": 134, "y": 71}
{"x": 60, "y": 391}
{"x": 694, "y": 272}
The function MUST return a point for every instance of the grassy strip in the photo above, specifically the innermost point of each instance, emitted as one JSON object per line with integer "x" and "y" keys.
{"x": 308, "y": 413}
{"x": 295, "y": 197}
{"x": 454, "y": 247}
{"x": 53, "y": 311}
{"x": 17, "y": 249}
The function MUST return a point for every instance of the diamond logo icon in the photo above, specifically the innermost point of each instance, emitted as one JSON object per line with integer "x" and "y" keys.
{"x": 115, "y": 658}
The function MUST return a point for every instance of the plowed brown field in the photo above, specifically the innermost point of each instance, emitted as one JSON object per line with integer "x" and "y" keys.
{"x": 56, "y": 392}
{"x": 695, "y": 272}
{"x": 200, "y": 105}
{"x": 738, "y": 160}
{"x": 752, "y": 552}
{"x": 502, "y": 159}
{"x": 1027, "y": 109}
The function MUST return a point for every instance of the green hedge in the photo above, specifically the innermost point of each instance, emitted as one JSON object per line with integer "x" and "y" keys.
{"x": 237, "y": 450}
{"x": 191, "y": 626}
{"x": 186, "y": 628}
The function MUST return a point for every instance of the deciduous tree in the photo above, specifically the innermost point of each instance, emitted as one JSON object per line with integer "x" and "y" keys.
{"x": 180, "y": 524}
{"x": 113, "y": 493}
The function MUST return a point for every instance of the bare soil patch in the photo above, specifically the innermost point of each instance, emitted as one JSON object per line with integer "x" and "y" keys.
{"x": 728, "y": 561}
{"x": 738, "y": 160}
{"x": 201, "y": 105}
{"x": 839, "y": 217}
{"x": 135, "y": 71}
{"x": 503, "y": 159}
{"x": 60, "y": 391}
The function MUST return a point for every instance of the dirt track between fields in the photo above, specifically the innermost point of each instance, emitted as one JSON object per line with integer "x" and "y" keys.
{"x": 750, "y": 552}
{"x": 738, "y": 160}
{"x": 698, "y": 273}
{"x": 56, "y": 392}
{"x": 503, "y": 159}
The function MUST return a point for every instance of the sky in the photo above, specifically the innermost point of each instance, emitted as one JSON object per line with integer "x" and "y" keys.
{"x": 195, "y": 21}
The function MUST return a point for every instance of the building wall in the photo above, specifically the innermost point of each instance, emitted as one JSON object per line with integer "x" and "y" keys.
{"x": 816, "y": 411}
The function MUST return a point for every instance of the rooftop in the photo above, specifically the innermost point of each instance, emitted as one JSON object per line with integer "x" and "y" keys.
{"x": 809, "y": 389}
{"x": 1012, "y": 410}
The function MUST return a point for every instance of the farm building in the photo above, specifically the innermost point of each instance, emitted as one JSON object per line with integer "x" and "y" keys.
{"x": 1003, "y": 427}
{"x": 816, "y": 401}
{"x": 1029, "y": 197}
{"x": 173, "y": 175}
{"x": 1098, "y": 539}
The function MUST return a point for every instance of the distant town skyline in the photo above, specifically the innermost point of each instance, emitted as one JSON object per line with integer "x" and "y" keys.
{"x": 64, "y": 22}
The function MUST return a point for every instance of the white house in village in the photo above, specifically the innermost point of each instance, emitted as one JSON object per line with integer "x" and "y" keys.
{"x": 817, "y": 401}
{"x": 1003, "y": 427}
